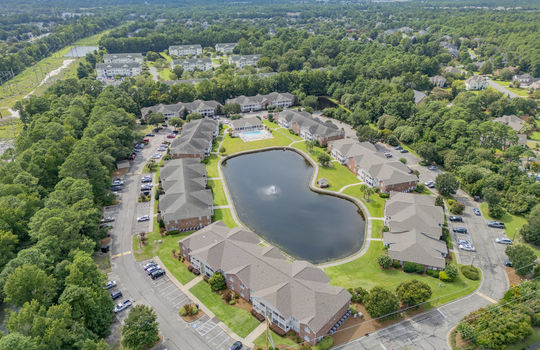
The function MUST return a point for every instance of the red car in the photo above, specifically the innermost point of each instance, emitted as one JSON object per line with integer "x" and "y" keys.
{"x": 171, "y": 136}
{"x": 146, "y": 140}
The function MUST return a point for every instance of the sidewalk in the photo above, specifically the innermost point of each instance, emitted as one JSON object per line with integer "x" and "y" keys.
{"x": 250, "y": 338}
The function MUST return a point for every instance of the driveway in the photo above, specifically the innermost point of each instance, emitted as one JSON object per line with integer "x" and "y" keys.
{"x": 129, "y": 275}
{"x": 502, "y": 89}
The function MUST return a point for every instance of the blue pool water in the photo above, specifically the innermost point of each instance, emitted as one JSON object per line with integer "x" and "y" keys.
{"x": 252, "y": 133}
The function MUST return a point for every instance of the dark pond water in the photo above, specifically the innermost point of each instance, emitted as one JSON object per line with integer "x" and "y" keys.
{"x": 271, "y": 194}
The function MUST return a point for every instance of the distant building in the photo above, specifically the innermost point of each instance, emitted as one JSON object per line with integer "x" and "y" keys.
{"x": 453, "y": 70}
{"x": 419, "y": 96}
{"x": 107, "y": 71}
{"x": 308, "y": 127}
{"x": 245, "y": 60}
{"x": 204, "y": 108}
{"x": 525, "y": 79}
{"x": 438, "y": 81}
{"x": 260, "y": 102}
{"x": 185, "y": 50}
{"x": 516, "y": 124}
{"x": 195, "y": 139}
{"x": 225, "y": 48}
{"x": 123, "y": 58}
{"x": 452, "y": 49}
{"x": 246, "y": 125}
{"x": 191, "y": 64}
{"x": 476, "y": 82}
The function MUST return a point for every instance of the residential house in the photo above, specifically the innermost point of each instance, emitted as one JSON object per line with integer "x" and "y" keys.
{"x": 525, "y": 79}
{"x": 204, "y": 108}
{"x": 452, "y": 48}
{"x": 244, "y": 60}
{"x": 195, "y": 139}
{"x": 516, "y": 124}
{"x": 246, "y": 125}
{"x": 293, "y": 295}
{"x": 438, "y": 81}
{"x": 419, "y": 96}
{"x": 123, "y": 58}
{"x": 107, "y": 71}
{"x": 260, "y": 102}
{"x": 380, "y": 172}
{"x": 342, "y": 150}
{"x": 185, "y": 50}
{"x": 535, "y": 85}
{"x": 186, "y": 203}
{"x": 225, "y": 48}
{"x": 476, "y": 82}
{"x": 415, "y": 230}
{"x": 191, "y": 64}
{"x": 308, "y": 127}
{"x": 452, "y": 70}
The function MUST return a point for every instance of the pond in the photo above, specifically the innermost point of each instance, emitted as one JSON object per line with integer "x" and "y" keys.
{"x": 270, "y": 192}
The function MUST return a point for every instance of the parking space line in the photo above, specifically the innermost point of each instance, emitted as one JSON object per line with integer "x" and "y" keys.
{"x": 166, "y": 289}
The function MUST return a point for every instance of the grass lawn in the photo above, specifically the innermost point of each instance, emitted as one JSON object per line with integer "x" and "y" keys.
{"x": 212, "y": 166}
{"x": 217, "y": 192}
{"x": 365, "y": 272}
{"x": 225, "y": 216}
{"x": 519, "y": 91}
{"x": 278, "y": 340}
{"x": 234, "y": 145}
{"x": 240, "y": 321}
{"x": 10, "y": 129}
{"x": 375, "y": 204}
{"x": 165, "y": 73}
{"x": 513, "y": 225}
{"x": 535, "y": 135}
{"x": 337, "y": 175}
{"x": 163, "y": 250}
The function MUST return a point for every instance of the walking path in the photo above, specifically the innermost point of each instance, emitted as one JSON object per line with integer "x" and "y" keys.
{"x": 347, "y": 186}
{"x": 250, "y": 338}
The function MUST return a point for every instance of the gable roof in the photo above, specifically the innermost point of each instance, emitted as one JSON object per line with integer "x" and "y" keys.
{"x": 390, "y": 172}
{"x": 195, "y": 137}
{"x": 295, "y": 289}
{"x": 351, "y": 148}
{"x": 512, "y": 121}
{"x": 315, "y": 126}
{"x": 273, "y": 98}
{"x": 246, "y": 122}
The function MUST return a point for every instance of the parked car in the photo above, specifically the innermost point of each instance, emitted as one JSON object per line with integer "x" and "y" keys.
{"x": 388, "y": 155}
{"x": 150, "y": 135}
{"x": 156, "y": 156}
{"x": 236, "y": 346}
{"x": 432, "y": 167}
{"x": 157, "y": 273}
{"x": 459, "y": 230}
{"x": 495, "y": 224}
{"x": 171, "y": 136}
{"x": 403, "y": 151}
{"x": 467, "y": 247}
{"x": 162, "y": 149}
{"x": 139, "y": 146}
{"x": 476, "y": 212}
{"x": 430, "y": 184}
{"x": 464, "y": 242}
{"x": 146, "y": 179}
{"x": 146, "y": 140}
{"x": 122, "y": 306}
{"x": 398, "y": 148}
{"x": 508, "y": 263}
{"x": 152, "y": 269}
{"x": 504, "y": 240}
{"x": 175, "y": 132}
{"x": 116, "y": 294}
{"x": 143, "y": 218}
{"x": 150, "y": 263}
{"x": 116, "y": 188}
{"x": 110, "y": 284}
{"x": 164, "y": 125}
{"x": 118, "y": 182}
{"x": 455, "y": 218}
{"x": 107, "y": 219}
{"x": 146, "y": 187}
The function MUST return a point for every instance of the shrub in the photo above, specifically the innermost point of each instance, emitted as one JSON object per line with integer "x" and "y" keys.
{"x": 384, "y": 261}
{"x": 470, "y": 272}
{"x": 325, "y": 343}
{"x": 536, "y": 271}
{"x": 439, "y": 201}
{"x": 385, "y": 228}
{"x": 396, "y": 264}
{"x": 455, "y": 207}
{"x": 384, "y": 195}
{"x": 227, "y": 297}
{"x": 353, "y": 309}
{"x": 358, "y": 295}
{"x": 190, "y": 268}
{"x": 232, "y": 302}
{"x": 217, "y": 282}
{"x": 222, "y": 149}
{"x": 409, "y": 266}
{"x": 423, "y": 163}
{"x": 236, "y": 296}
{"x": 182, "y": 311}
{"x": 451, "y": 271}
{"x": 403, "y": 160}
{"x": 420, "y": 269}
{"x": 444, "y": 277}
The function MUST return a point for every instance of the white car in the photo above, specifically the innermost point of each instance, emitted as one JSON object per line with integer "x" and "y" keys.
{"x": 504, "y": 240}
{"x": 467, "y": 247}
{"x": 156, "y": 156}
{"x": 162, "y": 149}
{"x": 430, "y": 184}
{"x": 143, "y": 218}
{"x": 122, "y": 306}
{"x": 463, "y": 242}
{"x": 110, "y": 284}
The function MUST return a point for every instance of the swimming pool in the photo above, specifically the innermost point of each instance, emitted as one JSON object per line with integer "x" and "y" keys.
{"x": 252, "y": 133}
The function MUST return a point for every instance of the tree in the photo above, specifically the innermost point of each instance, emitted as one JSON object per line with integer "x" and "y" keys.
{"x": 232, "y": 108}
{"x": 141, "y": 329}
{"x": 28, "y": 283}
{"x": 310, "y": 101}
{"x": 178, "y": 71}
{"x": 15, "y": 341}
{"x": 451, "y": 270}
{"x": 368, "y": 192}
{"x": 217, "y": 282}
{"x": 324, "y": 159}
{"x": 176, "y": 122}
{"x": 193, "y": 116}
{"x": 8, "y": 243}
{"x": 446, "y": 184}
{"x": 530, "y": 231}
{"x": 429, "y": 152}
{"x": 380, "y": 302}
{"x": 413, "y": 292}
{"x": 366, "y": 134}
{"x": 384, "y": 261}
{"x": 155, "y": 118}
{"x": 522, "y": 257}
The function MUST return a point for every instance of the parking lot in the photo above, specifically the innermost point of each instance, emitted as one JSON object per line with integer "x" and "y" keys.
{"x": 212, "y": 334}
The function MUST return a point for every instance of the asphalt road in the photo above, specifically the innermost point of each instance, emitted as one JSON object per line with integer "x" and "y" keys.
{"x": 502, "y": 89}
{"x": 129, "y": 275}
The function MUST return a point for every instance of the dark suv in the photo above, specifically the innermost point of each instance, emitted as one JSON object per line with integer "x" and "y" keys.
{"x": 460, "y": 230}
{"x": 157, "y": 273}
{"x": 456, "y": 218}
{"x": 116, "y": 294}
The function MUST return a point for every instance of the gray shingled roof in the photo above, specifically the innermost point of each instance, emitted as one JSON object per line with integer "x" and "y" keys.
{"x": 316, "y": 127}
{"x": 272, "y": 98}
{"x": 178, "y": 107}
{"x": 296, "y": 289}
{"x": 246, "y": 122}
{"x": 351, "y": 148}
{"x": 118, "y": 65}
{"x": 512, "y": 121}
{"x": 415, "y": 228}
{"x": 388, "y": 171}
{"x": 115, "y": 56}
{"x": 194, "y": 137}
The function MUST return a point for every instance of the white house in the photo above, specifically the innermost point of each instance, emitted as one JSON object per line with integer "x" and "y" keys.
{"x": 111, "y": 70}
{"x": 245, "y": 60}
{"x": 225, "y": 48}
{"x": 476, "y": 82}
{"x": 191, "y": 64}
{"x": 185, "y": 50}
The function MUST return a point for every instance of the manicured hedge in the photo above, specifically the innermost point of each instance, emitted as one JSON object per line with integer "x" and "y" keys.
{"x": 471, "y": 272}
